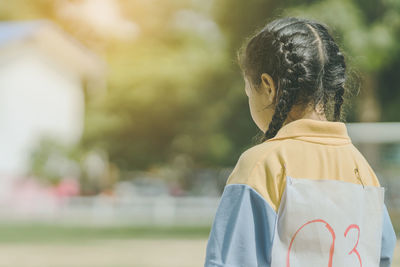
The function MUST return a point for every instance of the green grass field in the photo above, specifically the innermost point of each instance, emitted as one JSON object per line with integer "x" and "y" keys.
{"x": 60, "y": 246}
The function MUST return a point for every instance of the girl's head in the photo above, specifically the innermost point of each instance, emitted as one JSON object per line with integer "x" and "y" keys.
{"x": 292, "y": 67}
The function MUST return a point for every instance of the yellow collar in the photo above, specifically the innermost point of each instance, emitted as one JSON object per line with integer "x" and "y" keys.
{"x": 317, "y": 131}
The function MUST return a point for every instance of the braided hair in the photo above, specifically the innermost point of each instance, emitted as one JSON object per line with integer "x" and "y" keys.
{"x": 305, "y": 62}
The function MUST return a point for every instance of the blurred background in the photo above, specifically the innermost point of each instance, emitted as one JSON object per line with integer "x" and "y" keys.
{"x": 122, "y": 119}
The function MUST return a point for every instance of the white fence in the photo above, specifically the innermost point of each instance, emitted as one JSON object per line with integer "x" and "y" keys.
{"x": 108, "y": 211}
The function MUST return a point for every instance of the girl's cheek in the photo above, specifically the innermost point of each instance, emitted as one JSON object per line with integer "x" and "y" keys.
{"x": 257, "y": 114}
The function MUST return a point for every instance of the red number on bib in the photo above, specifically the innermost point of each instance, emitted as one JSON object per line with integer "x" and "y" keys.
{"x": 332, "y": 245}
{"x": 354, "y": 250}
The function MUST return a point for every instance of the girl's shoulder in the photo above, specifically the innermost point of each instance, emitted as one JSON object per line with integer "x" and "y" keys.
{"x": 260, "y": 167}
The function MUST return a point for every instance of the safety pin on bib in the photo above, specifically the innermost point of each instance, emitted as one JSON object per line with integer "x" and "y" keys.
{"x": 358, "y": 176}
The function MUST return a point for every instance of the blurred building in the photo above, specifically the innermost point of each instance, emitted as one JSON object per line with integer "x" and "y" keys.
{"x": 44, "y": 73}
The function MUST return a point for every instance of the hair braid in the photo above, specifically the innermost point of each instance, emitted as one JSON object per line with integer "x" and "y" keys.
{"x": 281, "y": 111}
{"x": 340, "y": 90}
{"x": 338, "y": 103}
{"x": 289, "y": 83}
{"x": 335, "y": 78}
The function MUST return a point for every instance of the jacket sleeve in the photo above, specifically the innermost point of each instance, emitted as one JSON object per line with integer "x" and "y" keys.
{"x": 242, "y": 230}
{"x": 388, "y": 240}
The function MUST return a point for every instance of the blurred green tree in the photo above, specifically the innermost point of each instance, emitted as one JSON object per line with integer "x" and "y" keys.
{"x": 176, "y": 89}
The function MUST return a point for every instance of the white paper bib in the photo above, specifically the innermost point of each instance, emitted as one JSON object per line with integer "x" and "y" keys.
{"x": 328, "y": 223}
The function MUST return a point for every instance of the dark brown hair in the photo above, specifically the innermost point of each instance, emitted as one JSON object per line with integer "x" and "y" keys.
{"x": 304, "y": 62}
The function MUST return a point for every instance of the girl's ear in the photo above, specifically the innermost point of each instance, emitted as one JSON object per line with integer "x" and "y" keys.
{"x": 268, "y": 87}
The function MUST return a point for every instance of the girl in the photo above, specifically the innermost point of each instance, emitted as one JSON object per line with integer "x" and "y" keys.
{"x": 305, "y": 196}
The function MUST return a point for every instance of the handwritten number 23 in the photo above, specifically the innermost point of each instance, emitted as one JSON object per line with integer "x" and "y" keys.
{"x": 332, "y": 248}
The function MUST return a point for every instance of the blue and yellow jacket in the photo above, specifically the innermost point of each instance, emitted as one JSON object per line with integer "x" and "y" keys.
{"x": 242, "y": 232}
